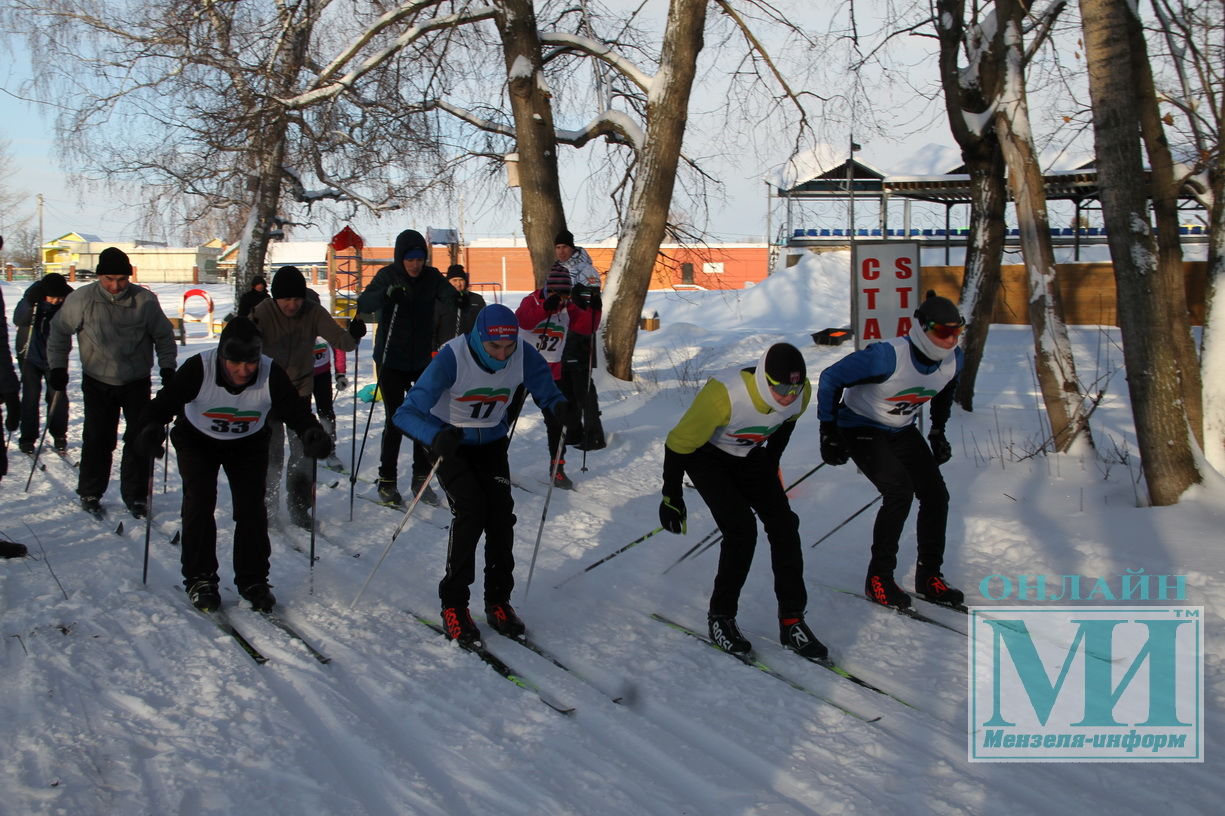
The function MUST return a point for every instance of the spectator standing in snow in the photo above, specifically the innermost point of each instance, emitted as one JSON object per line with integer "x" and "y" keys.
{"x": 578, "y": 355}
{"x": 867, "y": 403}
{"x": 459, "y": 408}
{"x": 289, "y": 324}
{"x": 118, "y": 327}
{"x": 452, "y": 320}
{"x": 730, "y": 441}
{"x": 406, "y": 294}
{"x": 8, "y": 392}
{"x": 253, "y": 297}
{"x": 544, "y": 318}
{"x": 38, "y": 306}
{"x": 223, "y": 400}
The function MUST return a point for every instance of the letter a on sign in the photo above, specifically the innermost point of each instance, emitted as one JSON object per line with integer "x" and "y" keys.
{"x": 885, "y": 283}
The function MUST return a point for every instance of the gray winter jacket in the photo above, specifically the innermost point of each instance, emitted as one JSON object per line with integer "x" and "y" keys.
{"x": 117, "y": 334}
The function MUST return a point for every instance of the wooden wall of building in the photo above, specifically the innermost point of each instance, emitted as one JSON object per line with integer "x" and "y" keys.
{"x": 1087, "y": 290}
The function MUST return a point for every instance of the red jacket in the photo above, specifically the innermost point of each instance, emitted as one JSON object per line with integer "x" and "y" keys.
{"x": 532, "y": 314}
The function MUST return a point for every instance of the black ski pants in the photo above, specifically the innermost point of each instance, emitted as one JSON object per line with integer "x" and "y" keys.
{"x": 734, "y": 488}
{"x": 393, "y": 385}
{"x": 477, "y": 482}
{"x": 103, "y": 404}
{"x": 245, "y": 462}
{"x": 325, "y": 409}
{"x": 901, "y": 466}
{"x": 31, "y": 394}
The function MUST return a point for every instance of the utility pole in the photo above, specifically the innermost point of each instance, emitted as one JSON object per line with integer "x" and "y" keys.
{"x": 38, "y": 266}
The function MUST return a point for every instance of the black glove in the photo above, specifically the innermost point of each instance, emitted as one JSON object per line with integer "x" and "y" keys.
{"x": 357, "y": 328}
{"x": 568, "y": 414}
{"x": 596, "y": 304}
{"x": 316, "y": 443}
{"x": 167, "y": 375}
{"x": 342, "y": 382}
{"x": 150, "y": 440}
{"x": 552, "y": 303}
{"x": 57, "y": 379}
{"x": 941, "y": 449}
{"x": 12, "y": 405}
{"x": 833, "y": 447}
{"x": 446, "y": 441}
{"x": 399, "y": 295}
{"x": 672, "y": 515}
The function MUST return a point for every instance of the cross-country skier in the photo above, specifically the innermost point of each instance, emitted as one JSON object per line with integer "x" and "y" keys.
{"x": 730, "y": 442}
{"x": 867, "y": 403}
{"x": 222, "y": 399}
{"x": 458, "y": 407}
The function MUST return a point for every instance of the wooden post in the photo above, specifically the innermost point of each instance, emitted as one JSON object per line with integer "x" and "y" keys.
{"x": 195, "y": 275}
{"x": 72, "y": 272}
{"x": 8, "y": 272}
{"x": 134, "y": 279}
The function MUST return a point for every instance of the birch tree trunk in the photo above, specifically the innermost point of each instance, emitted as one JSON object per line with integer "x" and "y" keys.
{"x": 1212, "y": 353}
{"x": 651, "y": 196}
{"x": 1053, "y": 360}
{"x": 536, "y": 143}
{"x": 1165, "y": 441}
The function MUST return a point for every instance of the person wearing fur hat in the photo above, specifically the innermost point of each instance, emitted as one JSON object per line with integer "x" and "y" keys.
{"x": 459, "y": 408}
{"x": 221, "y": 402}
{"x": 868, "y": 403}
{"x": 545, "y": 317}
{"x": 8, "y": 394}
{"x": 33, "y": 316}
{"x": 404, "y": 294}
{"x": 730, "y": 441}
{"x": 454, "y": 320}
{"x": 253, "y": 297}
{"x": 118, "y": 328}
{"x": 289, "y": 323}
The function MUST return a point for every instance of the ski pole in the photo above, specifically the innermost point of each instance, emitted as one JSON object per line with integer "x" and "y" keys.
{"x": 144, "y": 576}
{"x": 846, "y": 522}
{"x": 694, "y": 549}
{"x": 561, "y": 443}
{"x": 166, "y": 463}
{"x": 412, "y": 506}
{"x": 378, "y": 380}
{"x": 314, "y": 505}
{"x": 611, "y": 555}
{"x": 42, "y": 439}
{"x": 357, "y": 373}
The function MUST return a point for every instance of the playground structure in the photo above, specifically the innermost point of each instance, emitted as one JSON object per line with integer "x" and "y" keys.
{"x": 180, "y": 325}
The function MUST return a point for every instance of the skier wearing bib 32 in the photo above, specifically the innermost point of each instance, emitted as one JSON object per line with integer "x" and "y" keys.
{"x": 458, "y": 407}
{"x": 730, "y": 442}
{"x": 867, "y": 403}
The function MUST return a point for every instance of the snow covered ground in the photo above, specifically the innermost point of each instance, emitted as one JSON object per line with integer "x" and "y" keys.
{"x": 117, "y": 698}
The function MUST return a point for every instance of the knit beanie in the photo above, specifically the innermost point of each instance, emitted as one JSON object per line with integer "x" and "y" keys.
{"x": 782, "y": 364}
{"x": 113, "y": 261}
{"x": 558, "y": 280}
{"x": 938, "y": 310}
{"x": 55, "y": 285}
{"x": 494, "y": 322}
{"x": 288, "y": 282}
{"x": 456, "y": 271}
{"x": 240, "y": 341}
{"x": 564, "y": 237}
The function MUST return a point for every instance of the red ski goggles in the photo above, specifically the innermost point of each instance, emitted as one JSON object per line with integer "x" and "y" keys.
{"x": 945, "y": 330}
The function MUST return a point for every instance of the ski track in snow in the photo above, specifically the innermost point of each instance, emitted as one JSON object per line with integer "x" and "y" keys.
{"x": 121, "y": 699}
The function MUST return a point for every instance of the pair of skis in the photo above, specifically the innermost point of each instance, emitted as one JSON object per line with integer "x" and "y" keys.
{"x": 221, "y": 619}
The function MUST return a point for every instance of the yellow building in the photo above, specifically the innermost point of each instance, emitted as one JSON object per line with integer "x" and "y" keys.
{"x": 75, "y": 255}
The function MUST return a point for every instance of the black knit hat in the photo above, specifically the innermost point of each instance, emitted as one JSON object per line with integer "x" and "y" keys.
{"x": 938, "y": 310}
{"x": 240, "y": 341}
{"x": 55, "y": 285}
{"x": 785, "y": 365}
{"x": 288, "y": 282}
{"x": 456, "y": 271}
{"x": 113, "y": 261}
{"x": 564, "y": 237}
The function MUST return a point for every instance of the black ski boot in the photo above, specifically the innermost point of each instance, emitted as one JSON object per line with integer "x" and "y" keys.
{"x": 388, "y": 493}
{"x": 560, "y": 479}
{"x": 259, "y": 595}
{"x": 795, "y": 635}
{"x": 428, "y": 495}
{"x": 504, "y": 621}
{"x": 726, "y": 635}
{"x": 138, "y": 509}
{"x": 884, "y": 590}
{"x": 457, "y": 622}
{"x": 934, "y": 589}
{"x": 93, "y": 506}
{"x": 203, "y": 594}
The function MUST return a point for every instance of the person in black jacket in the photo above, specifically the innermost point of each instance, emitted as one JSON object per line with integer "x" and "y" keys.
{"x": 33, "y": 317}
{"x": 452, "y": 320}
{"x": 405, "y": 294}
{"x": 8, "y": 391}
{"x": 253, "y": 297}
{"x": 222, "y": 399}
